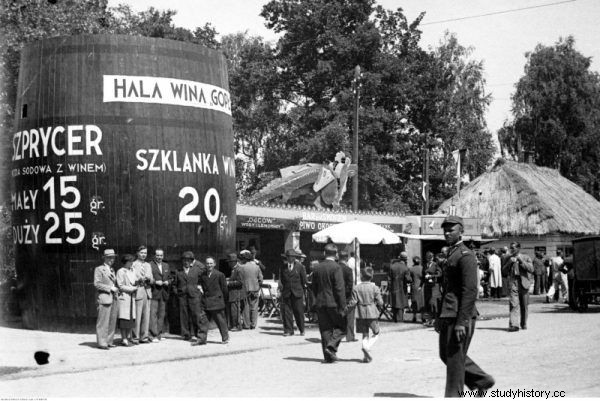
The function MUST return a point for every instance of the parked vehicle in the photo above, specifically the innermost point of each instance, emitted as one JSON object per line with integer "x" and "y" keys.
{"x": 584, "y": 277}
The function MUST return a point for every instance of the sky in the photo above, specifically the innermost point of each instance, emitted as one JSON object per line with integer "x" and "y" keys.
{"x": 500, "y": 40}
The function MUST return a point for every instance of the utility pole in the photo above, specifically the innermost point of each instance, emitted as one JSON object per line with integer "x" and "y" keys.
{"x": 426, "y": 180}
{"x": 356, "y": 89}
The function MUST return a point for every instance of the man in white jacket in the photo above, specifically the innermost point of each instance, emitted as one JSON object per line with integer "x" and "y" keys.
{"x": 495, "y": 274}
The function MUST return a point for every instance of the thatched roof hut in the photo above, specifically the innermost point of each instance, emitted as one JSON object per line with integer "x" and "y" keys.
{"x": 521, "y": 199}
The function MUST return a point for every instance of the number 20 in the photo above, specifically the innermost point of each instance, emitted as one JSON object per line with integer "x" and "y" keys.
{"x": 186, "y": 216}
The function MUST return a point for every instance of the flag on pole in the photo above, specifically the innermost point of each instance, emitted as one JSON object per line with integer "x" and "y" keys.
{"x": 462, "y": 174}
{"x": 424, "y": 192}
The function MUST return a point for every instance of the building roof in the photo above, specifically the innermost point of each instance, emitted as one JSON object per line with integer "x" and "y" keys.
{"x": 525, "y": 199}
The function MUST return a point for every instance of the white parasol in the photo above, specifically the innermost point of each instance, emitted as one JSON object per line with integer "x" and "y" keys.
{"x": 356, "y": 232}
{"x": 364, "y": 232}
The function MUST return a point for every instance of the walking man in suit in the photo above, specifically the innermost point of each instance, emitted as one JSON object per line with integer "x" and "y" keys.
{"x": 160, "y": 294}
{"x": 330, "y": 302}
{"x": 187, "y": 282}
{"x": 293, "y": 282}
{"x": 519, "y": 269}
{"x": 105, "y": 282}
{"x": 399, "y": 280}
{"x": 215, "y": 294}
{"x": 456, "y": 323}
{"x": 143, "y": 273}
{"x": 348, "y": 286}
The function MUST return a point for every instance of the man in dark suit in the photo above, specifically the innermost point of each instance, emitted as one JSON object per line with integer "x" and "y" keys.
{"x": 215, "y": 295}
{"x": 293, "y": 282}
{"x": 160, "y": 294}
{"x": 187, "y": 282}
{"x": 458, "y": 314}
{"x": 348, "y": 286}
{"x": 519, "y": 269}
{"x": 399, "y": 280}
{"x": 235, "y": 294}
{"x": 330, "y": 302}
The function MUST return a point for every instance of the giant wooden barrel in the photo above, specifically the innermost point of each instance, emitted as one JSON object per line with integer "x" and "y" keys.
{"x": 119, "y": 141}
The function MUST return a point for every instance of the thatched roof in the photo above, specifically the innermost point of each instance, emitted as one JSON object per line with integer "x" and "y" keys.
{"x": 524, "y": 199}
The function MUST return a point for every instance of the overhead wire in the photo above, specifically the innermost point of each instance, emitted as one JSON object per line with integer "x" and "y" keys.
{"x": 497, "y": 12}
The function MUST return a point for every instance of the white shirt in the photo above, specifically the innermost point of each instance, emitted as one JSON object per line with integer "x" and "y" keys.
{"x": 355, "y": 273}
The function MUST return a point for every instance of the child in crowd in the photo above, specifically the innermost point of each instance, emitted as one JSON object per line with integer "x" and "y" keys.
{"x": 367, "y": 298}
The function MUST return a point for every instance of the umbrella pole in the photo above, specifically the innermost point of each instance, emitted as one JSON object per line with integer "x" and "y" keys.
{"x": 357, "y": 254}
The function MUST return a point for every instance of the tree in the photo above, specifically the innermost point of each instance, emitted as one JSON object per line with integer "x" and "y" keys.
{"x": 457, "y": 117}
{"x": 155, "y": 23}
{"x": 321, "y": 44}
{"x": 556, "y": 110}
{"x": 255, "y": 103}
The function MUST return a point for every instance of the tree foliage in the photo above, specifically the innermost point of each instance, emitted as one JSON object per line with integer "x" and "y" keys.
{"x": 439, "y": 92}
{"x": 556, "y": 110}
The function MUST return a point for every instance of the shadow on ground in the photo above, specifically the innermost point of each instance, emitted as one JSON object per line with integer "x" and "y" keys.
{"x": 564, "y": 308}
{"x": 270, "y": 328}
{"x": 9, "y": 370}
{"x": 320, "y": 360}
{"x": 90, "y": 344}
{"x": 399, "y": 395}
{"x": 492, "y": 328}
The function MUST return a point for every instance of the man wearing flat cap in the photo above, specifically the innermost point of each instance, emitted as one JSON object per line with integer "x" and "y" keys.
{"x": 458, "y": 314}
{"x": 330, "y": 302}
{"x": 105, "y": 282}
{"x": 187, "y": 283}
{"x": 293, "y": 282}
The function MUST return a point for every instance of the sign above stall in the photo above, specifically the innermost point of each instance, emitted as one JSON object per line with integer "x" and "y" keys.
{"x": 271, "y": 223}
{"x": 265, "y": 223}
{"x": 432, "y": 225}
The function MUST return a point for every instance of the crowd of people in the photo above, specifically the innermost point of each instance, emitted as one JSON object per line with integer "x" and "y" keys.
{"x": 335, "y": 293}
{"x": 134, "y": 299}
{"x": 549, "y": 275}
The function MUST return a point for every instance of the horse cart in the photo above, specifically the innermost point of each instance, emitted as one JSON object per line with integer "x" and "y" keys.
{"x": 586, "y": 268}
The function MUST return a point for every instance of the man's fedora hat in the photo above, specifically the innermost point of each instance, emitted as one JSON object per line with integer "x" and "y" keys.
{"x": 109, "y": 253}
{"x": 290, "y": 252}
{"x": 451, "y": 220}
{"x": 187, "y": 255}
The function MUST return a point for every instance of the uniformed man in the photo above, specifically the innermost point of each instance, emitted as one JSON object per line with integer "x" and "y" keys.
{"x": 456, "y": 324}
